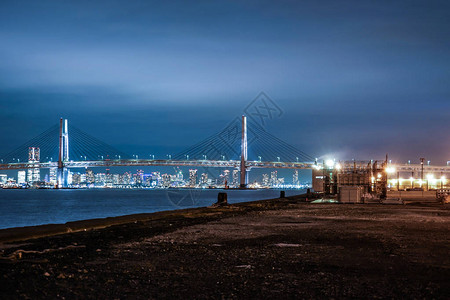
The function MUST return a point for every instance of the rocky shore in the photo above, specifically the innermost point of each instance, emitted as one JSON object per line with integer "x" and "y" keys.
{"x": 280, "y": 248}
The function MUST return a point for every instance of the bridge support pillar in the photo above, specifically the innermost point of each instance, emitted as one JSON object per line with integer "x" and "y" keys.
{"x": 244, "y": 175}
{"x": 63, "y": 154}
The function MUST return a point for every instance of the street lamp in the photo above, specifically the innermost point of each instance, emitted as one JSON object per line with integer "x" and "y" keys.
{"x": 278, "y": 158}
{"x": 421, "y": 164}
{"x": 259, "y": 158}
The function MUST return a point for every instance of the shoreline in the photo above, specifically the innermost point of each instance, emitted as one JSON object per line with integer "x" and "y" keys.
{"x": 14, "y": 234}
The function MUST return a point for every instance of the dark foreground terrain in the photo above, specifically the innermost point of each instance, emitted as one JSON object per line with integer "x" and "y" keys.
{"x": 268, "y": 249}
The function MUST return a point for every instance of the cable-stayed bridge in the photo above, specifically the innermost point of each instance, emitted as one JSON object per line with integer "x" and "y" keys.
{"x": 239, "y": 145}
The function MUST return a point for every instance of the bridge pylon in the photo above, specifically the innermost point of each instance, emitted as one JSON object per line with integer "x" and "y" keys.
{"x": 63, "y": 153}
{"x": 243, "y": 168}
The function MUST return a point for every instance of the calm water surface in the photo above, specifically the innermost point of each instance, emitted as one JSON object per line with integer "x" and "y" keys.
{"x": 35, "y": 207}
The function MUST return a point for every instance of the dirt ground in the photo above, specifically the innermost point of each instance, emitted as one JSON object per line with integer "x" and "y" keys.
{"x": 269, "y": 249}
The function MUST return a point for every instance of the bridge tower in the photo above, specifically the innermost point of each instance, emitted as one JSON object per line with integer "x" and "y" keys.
{"x": 63, "y": 154}
{"x": 244, "y": 176}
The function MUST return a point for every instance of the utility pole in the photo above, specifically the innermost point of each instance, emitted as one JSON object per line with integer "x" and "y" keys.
{"x": 422, "y": 159}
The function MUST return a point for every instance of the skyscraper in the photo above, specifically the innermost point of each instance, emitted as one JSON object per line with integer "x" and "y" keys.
{"x": 235, "y": 178}
{"x": 295, "y": 178}
{"x": 21, "y": 177}
{"x": 192, "y": 177}
{"x": 273, "y": 178}
{"x": 33, "y": 157}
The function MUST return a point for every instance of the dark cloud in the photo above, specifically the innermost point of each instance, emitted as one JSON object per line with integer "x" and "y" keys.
{"x": 356, "y": 79}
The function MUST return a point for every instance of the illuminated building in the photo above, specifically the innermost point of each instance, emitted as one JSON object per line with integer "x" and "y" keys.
{"x": 265, "y": 180}
{"x": 126, "y": 178}
{"x": 53, "y": 176}
{"x": 235, "y": 178}
{"x": 192, "y": 177}
{"x": 139, "y": 177}
{"x": 116, "y": 179}
{"x": 3, "y": 178}
{"x": 225, "y": 177}
{"x": 156, "y": 178}
{"x": 21, "y": 177}
{"x": 273, "y": 178}
{"x": 90, "y": 178}
{"x": 33, "y": 157}
{"x": 165, "y": 180}
{"x": 100, "y": 179}
{"x": 204, "y": 179}
{"x": 76, "y": 179}
{"x": 295, "y": 178}
{"x": 179, "y": 175}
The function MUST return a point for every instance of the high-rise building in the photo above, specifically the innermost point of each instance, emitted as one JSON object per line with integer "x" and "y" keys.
{"x": 204, "y": 179}
{"x": 3, "y": 178}
{"x": 273, "y": 178}
{"x": 100, "y": 179}
{"x": 76, "y": 179}
{"x": 295, "y": 178}
{"x": 21, "y": 177}
{"x": 90, "y": 177}
{"x": 265, "y": 180}
{"x": 225, "y": 177}
{"x": 156, "y": 178}
{"x": 53, "y": 176}
{"x": 139, "y": 177}
{"x": 33, "y": 157}
{"x": 179, "y": 175}
{"x": 166, "y": 180}
{"x": 115, "y": 179}
{"x": 235, "y": 178}
{"x": 33, "y": 154}
{"x": 192, "y": 177}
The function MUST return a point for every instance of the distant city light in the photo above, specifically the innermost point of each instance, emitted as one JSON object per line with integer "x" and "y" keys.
{"x": 329, "y": 163}
{"x": 390, "y": 170}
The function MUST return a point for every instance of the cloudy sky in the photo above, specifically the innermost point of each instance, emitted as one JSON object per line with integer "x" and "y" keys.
{"x": 354, "y": 79}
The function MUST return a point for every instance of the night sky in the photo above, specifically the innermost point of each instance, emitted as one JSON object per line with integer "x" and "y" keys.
{"x": 354, "y": 79}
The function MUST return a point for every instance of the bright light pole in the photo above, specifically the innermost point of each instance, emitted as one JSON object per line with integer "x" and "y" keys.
{"x": 421, "y": 164}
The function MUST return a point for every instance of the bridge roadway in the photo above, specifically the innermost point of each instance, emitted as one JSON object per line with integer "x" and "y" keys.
{"x": 211, "y": 163}
{"x": 159, "y": 162}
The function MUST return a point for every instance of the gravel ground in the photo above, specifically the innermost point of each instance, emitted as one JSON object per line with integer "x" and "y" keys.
{"x": 268, "y": 249}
